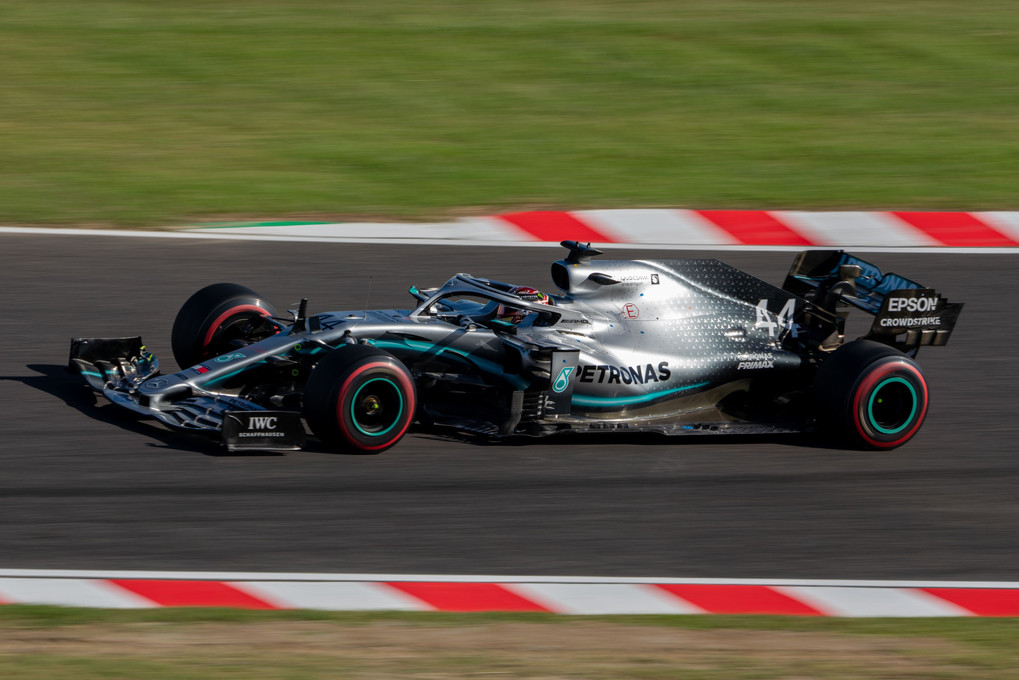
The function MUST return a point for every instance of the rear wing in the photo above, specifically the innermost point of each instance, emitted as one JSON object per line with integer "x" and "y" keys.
{"x": 907, "y": 314}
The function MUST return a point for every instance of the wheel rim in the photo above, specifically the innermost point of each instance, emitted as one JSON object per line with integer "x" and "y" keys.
{"x": 892, "y": 405}
{"x": 377, "y": 407}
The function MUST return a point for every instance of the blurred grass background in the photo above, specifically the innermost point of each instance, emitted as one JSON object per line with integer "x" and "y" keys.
{"x": 41, "y": 643}
{"x": 133, "y": 112}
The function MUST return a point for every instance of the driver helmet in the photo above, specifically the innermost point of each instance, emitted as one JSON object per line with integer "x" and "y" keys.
{"x": 509, "y": 314}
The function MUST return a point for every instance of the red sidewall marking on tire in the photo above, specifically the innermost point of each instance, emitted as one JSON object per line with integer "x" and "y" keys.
{"x": 408, "y": 388}
{"x": 865, "y": 387}
{"x": 226, "y": 315}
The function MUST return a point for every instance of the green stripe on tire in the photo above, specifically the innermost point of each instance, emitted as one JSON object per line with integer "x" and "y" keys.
{"x": 353, "y": 403}
{"x": 870, "y": 406}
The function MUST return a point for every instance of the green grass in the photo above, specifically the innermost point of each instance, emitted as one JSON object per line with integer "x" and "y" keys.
{"x": 142, "y": 113}
{"x": 183, "y": 644}
{"x": 993, "y": 631}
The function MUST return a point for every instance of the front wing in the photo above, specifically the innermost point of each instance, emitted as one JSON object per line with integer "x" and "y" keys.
{"x": 118, "y": 367}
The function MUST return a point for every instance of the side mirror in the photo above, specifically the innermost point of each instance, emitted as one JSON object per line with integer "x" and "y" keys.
{"x": 850, "y": 272}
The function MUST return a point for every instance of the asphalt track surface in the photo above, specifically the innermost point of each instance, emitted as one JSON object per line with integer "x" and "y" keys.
{"x": 84, "y": 485}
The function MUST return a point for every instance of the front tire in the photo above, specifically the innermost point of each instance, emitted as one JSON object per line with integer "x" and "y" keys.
{"x": 213, "y": 318}
{"x": 360, "y": 399}
{"x": 871, "y": 394}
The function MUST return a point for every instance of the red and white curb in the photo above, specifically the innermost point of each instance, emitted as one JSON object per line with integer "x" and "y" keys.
{"x": 686, "y": 228}
{"x": 780, "y": 230}
{"x": 560, "y": 595}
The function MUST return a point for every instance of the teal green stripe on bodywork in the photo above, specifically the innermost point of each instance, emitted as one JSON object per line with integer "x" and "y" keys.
{"x": 580, "y": 400}
{"x": 485, "y": 365}
{"x": 92, "y": 373}
{"x": 230, "y": 374}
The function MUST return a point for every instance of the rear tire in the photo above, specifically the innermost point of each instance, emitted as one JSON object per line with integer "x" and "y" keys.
{"x": 871, "y": 394}
{"x": 215, "y": 316}
{"x": 360, "y": 399}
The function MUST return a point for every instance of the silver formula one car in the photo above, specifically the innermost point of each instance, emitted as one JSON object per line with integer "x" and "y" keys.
{"x": 669, "y": 346}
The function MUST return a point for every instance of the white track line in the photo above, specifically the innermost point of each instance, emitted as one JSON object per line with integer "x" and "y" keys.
{"x": 474, "y": 578}
{"x": 930, "y": 250}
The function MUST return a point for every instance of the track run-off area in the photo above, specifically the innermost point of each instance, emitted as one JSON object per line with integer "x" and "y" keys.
{"x": 84, "y": 485}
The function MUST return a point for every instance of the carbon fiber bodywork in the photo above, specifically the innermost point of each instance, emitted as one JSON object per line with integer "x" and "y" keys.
{"x": 668, "y": 346}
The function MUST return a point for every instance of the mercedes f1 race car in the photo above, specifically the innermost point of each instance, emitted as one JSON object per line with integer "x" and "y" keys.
{"x": 675, "y": 347}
